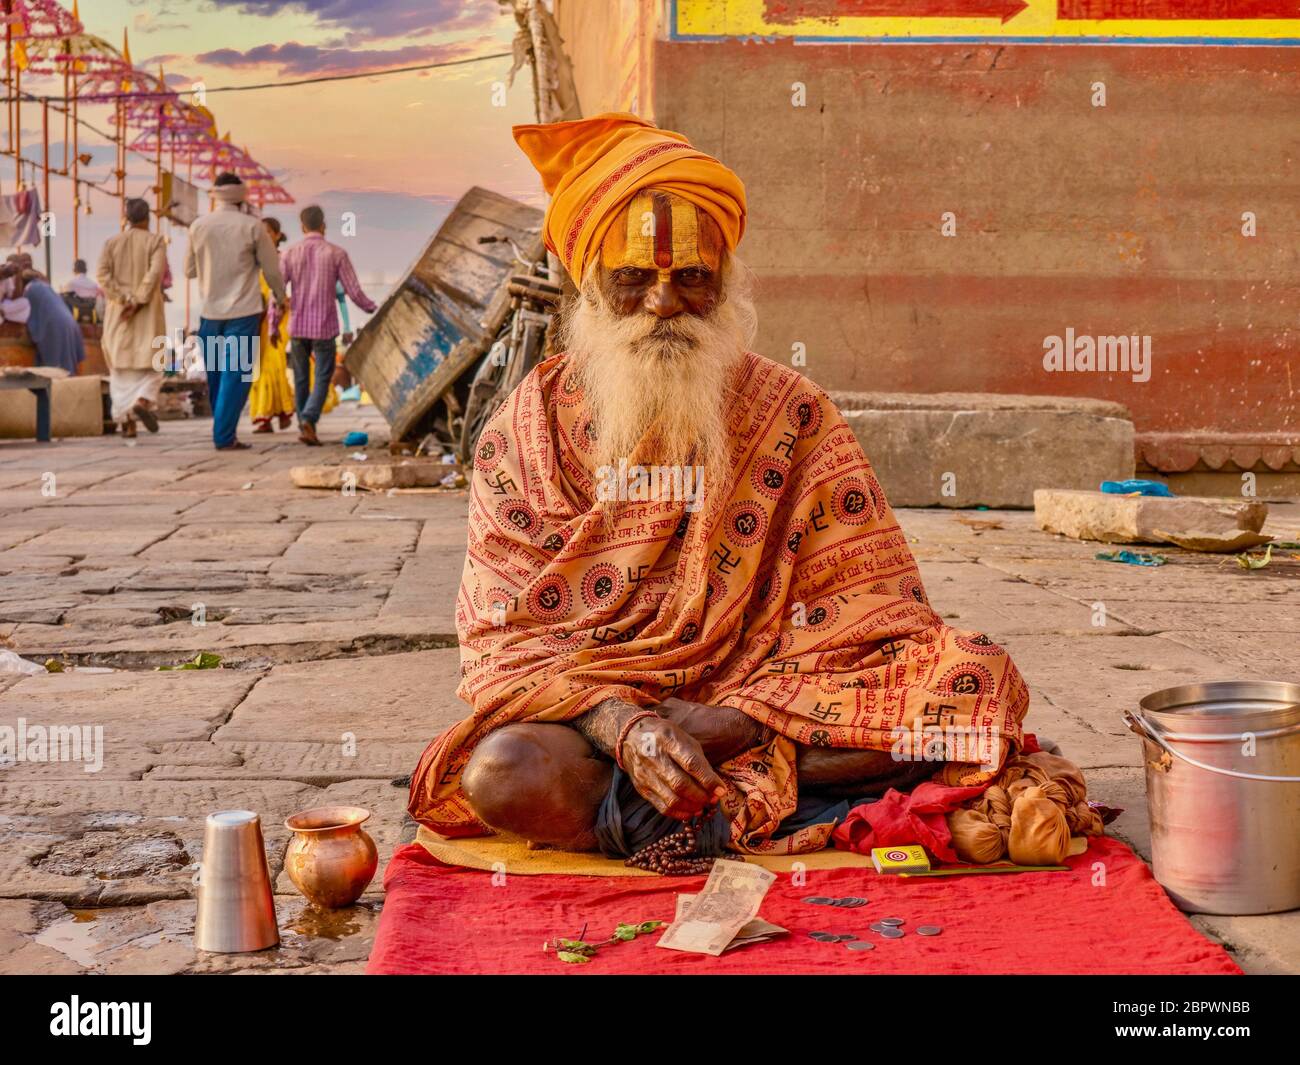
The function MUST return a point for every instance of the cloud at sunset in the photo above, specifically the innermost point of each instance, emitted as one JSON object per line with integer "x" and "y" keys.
{"x": 394, "y": 152}
{"x": 378, "y": 18}
{"x": 294, "y": 58}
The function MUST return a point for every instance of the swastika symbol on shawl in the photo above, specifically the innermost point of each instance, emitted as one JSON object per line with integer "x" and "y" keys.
{"x": 726, "y": 560}
{"x": 825, "y": 713}
{"x": 937, "y": 713}
{"x": 815, "y": 518}
{"x": 503, "y": 485}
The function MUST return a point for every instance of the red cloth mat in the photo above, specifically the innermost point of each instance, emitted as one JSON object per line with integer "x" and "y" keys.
{"x": 443, "y": 919}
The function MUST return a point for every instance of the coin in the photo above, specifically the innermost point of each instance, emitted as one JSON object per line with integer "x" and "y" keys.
{"x": 860, "y": 944}
{"x": 892, "y": 933}
{"x": 852, "y": 901}
{"x": 819, "y": 900}
{"x": 844, "y": 937}
{"x": 823, "y": 937}
{"x": 929, "y": 930}
{"x": 876, "y": 926}
{"x": 894, "y": 921}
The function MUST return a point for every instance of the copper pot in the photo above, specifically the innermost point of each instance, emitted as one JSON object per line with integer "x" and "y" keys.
{"x": 330, "y": 859}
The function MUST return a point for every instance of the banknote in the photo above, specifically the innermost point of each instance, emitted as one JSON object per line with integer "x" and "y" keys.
{"x": 729, "y": 900}
{"x": 756, "y": 930}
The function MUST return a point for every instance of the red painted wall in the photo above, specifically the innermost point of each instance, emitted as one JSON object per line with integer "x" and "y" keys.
{"x": 1109, "y": 220}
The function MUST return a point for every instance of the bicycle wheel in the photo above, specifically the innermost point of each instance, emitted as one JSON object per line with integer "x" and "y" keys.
{"x": 485, "y": 396}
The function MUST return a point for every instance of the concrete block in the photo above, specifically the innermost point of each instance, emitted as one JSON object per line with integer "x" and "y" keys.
{"x": 1197, "y": 523}
{"x": 376, "y": 476}
{"x": 76, "y": 409}
{"x": 972, "y": 449}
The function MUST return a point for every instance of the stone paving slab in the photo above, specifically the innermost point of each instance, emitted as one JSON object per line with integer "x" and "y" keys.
{"x": 1094, "y": 680}
{"x": 170, "y": 644}
{"x": 396, "y": 697}
{"x": 116, "y": 842}
{"x": 344, "y": 668}
{"x": 1186, "y": 580}
{"x": 87, "y": 520}
{"x": 426, "y": 588}
{"x": 131, "y": 713}
{"x": 321, "y": 764}
{"x": 218, "y": 542}
{"x": 77, "y": 543}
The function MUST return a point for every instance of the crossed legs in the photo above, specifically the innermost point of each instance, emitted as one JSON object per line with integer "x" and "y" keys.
{"x": 546, "y": 782}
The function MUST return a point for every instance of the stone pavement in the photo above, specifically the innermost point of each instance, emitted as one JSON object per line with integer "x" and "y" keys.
{"x": 333, "y": 617}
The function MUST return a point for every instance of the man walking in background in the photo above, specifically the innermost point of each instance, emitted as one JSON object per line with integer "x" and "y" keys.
{"x": 228, "y": 250}
{"x": 313, "y": 267}
{"x": 130, "y": 271}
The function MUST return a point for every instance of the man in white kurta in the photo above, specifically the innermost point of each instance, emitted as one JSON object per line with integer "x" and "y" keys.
{"x": 130, "y": 272}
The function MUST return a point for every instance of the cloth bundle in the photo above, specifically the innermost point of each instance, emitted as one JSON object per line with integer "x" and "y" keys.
{"x": 1028, "y": 813}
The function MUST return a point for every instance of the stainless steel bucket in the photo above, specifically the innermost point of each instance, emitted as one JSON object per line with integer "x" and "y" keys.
{"x": 1223, "y": 790}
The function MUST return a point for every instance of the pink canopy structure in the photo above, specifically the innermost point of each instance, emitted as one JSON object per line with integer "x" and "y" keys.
{"x": 39, "y": 19}
{"x": 45, "y": 40}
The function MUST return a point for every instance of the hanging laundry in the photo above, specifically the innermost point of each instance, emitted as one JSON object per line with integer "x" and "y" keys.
{"x": 20, "y": 219}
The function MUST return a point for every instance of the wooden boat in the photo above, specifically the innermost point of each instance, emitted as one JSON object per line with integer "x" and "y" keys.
{"x": 412, "y": 357}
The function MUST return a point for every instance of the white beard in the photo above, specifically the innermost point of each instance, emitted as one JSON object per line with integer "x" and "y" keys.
{"x": 659, "y": 390}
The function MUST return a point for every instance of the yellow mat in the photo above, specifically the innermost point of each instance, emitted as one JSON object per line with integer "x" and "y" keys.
{"x": 510, "y": 854}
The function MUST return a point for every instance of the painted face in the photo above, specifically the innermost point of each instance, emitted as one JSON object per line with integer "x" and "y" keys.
{"x": 662, "y": 256}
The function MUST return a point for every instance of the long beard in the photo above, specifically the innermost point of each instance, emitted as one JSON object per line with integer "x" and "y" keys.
{"x": 659, "y": 391}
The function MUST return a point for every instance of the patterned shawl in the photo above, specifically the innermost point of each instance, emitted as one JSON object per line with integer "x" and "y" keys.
{"x": 791, "y": 595}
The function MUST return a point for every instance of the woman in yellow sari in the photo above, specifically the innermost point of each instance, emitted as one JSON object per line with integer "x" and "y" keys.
{"x": 271, "y": 396}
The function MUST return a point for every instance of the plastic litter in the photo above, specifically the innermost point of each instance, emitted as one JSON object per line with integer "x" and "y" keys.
{"x": 356, "y": 438}
{"x": 1132, "y": 558}
{"x": 1135, "y": 487}
{"x": 12, "y": 663}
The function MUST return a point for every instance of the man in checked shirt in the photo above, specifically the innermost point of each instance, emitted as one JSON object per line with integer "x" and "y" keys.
{"x": 312, "y": 268}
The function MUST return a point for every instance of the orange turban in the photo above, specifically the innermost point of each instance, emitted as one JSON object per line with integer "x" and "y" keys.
{"x": 594, "y": 166}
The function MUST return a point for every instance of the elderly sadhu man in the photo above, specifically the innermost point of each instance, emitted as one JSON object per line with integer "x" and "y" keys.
{"x": 740, "y": 641}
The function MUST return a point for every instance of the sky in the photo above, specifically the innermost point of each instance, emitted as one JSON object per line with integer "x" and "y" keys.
{"x": 397, "y": 151}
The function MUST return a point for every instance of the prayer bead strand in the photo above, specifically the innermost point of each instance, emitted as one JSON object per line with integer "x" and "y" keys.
{"x": 673, "y": 855}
